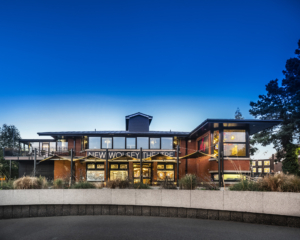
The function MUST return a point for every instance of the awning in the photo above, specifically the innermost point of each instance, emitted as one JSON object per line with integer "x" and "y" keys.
{"x": 90, "y": 158}
{"x": 55, "y": 157}
{"x": 159, "y": 156}
{"x": 195, "y": 155}
{"x": 124, "y": 157}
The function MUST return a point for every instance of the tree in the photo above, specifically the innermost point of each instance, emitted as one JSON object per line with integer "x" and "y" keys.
{"x": 9, "y": 136}
{"x": 238, "y": 114}
{"x": 282, "y": 102}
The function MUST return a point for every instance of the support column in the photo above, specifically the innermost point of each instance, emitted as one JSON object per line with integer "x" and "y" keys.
{"x": 34, "y": 163}
{"x": 177, "y": 165}
{"x": 141, "y": 165}
{"x": 106, "y": 165}
{"x": 71, "y": 166}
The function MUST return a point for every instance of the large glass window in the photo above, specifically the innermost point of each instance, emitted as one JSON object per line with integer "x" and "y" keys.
{"x": 266, "y": 163}
{"x": 204, "y": 144}
{"x": 165, "y": 170}
{"x": 106, "y": 142}
{"x": 216, "y": 143}
{"x": 118, "y": 171}
{"x": 267, "y": 170}
{"x": 230, "y": 177}
{"x": 130, "y": 143}
{"x": 166, "y": 143}
{"x": 35, "y": 145}
{"x": 84, "y": 143}
{"x": 143, "y": 142}
{"x": 62, "y": 145}
{"x": 232, "y": 149}
{"x": 253, "y": 163}
{"x": 94, "y": 142}
{"x": 254, "y": 170}
{"x": 119, "y": 142}
{"x": 234, "y": 135}
{"x": 52, "y": 147}
{"x": 154, "y": 143}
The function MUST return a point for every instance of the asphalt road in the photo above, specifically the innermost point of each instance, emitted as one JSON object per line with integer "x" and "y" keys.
{"x": 127, "y": 227}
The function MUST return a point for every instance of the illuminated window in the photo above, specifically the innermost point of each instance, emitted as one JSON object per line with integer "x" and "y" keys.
{"x": 91, "y": 166}
{"x": 119, "y": 142}
{"x": 253, "y": 163}
{"x": 169, "y": 166}
{"x": 266, "y": 163}
{"x": 146, "y": 169}
{"x": 229, "y": 177}
{"x": 204, "y": 144}
{"x": 234, "y": 135}
{"x": 106, "y": 143}
{"x": 259, "y": 170}
{"x": 123, "y": 166}
{"x": 165, "y": 171}
{"x": 95, "y": 176}
{"x": 254, "y": 170}
{"x": 121, "y": 175}
{"x": 100, "y": 166}
{"x": 216, "y": 143}
{"x": 160, "y": 166}
{"x": 154, "y": 143}
{"x": 114, "y": 166}
{"x": 231, "y": 149}
{"x": 84, "y": 143}
{"x": 266, "y": 170}
{"x": 259, "y": 163}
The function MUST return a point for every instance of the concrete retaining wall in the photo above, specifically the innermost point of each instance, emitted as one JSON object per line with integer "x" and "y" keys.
{"x": 276, "y": 203}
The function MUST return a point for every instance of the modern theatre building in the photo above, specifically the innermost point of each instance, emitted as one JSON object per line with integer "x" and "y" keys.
{"x": 216, "y": 149}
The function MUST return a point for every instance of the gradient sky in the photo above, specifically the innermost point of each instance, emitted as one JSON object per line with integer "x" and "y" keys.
{"x": 81, "y": 65}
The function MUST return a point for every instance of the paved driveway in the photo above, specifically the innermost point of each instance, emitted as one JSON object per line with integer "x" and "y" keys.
{"x": 126, "y": 227}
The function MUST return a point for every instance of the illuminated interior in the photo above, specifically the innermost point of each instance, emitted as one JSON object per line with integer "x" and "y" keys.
{"x": 229, "y": 177}
{"x": 121, "y": 175}
{"x": 95, "y": 176}
{"x": 163, "y": 174}
{"x": 216, "y": 143}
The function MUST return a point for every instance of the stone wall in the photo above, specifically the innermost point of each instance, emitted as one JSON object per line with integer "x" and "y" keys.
{"x": 259, "y": 207}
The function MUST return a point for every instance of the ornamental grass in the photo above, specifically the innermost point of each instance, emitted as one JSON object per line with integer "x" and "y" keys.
{"x": 31, "y": 183}
{"x": 273, "y": 183}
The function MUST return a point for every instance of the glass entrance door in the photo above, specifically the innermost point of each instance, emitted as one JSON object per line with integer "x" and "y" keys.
{"x": 146, "y": 169}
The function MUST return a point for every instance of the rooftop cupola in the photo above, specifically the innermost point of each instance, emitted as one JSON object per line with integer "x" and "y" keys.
{"x": 138, "y": 122}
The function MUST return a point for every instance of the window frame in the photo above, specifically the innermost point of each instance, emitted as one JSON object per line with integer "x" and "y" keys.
{"x": 165, "y": 169}
{"x": 95, "y": 169}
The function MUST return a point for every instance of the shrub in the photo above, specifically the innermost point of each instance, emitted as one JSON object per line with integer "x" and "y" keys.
{"x": 5, "y": 185}
{"x": 141, "y": 185}
{"x": 245, "y": 185}
{"x": 30, "y": 183}
{"x": 119, "y": 183}
{"x": 58, "y": 184}
{"x": 83, "y": 185}
{"x": 189, "y": 181}
{"x": 276, "y": 183}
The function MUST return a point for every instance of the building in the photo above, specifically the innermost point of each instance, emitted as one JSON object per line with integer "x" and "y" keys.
{"x": 262, "y": 167}
{"x": 216, "y": 148}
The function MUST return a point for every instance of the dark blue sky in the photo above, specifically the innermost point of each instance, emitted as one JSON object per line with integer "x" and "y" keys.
{"x": 96, "y": 61}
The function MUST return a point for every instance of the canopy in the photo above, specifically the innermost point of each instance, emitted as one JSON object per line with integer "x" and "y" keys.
{"x": 55, "y": 157}
{"x": 159, "y": 156}
{"x": 90, "y": 158}
{"x": 195, "y": 155}
{"x": 124, "y": 157}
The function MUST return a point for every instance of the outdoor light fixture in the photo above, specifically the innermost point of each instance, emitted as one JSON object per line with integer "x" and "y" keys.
{"x": 232, "y": 137}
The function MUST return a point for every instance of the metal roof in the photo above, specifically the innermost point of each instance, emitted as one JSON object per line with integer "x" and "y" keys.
{"x": 103, "y": 133}
{"x": 255, "y": 125}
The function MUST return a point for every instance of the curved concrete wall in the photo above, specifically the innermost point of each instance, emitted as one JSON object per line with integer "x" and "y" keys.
{"x": 277, "y": 203}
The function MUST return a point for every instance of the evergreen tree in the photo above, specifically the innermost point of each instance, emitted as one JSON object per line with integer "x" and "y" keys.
{"x": 238, "y": 114}
{"x": 282, "y": 102}
{"x": 9, "y": 136}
